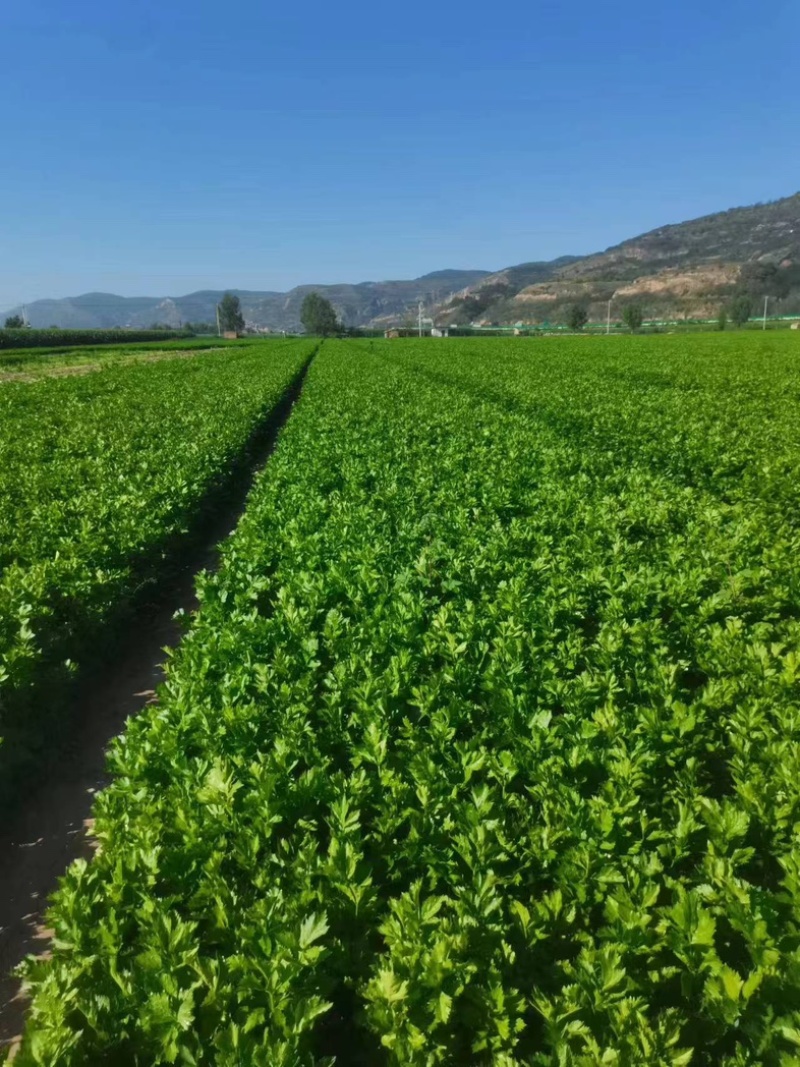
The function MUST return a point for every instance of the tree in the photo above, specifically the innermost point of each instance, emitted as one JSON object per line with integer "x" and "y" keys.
{"x": 230, "y": 313}
{"x": 317, "y": 315}
{"x": 15, "y": 322}
{"x": 577, "y": 316}
{"x": 722, "y": 319}
{"x": 633, "y": 317}
{"x": 741, "y": 308}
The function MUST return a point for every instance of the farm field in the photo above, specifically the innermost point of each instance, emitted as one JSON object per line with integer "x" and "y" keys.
{"x": 22, "y": 338}
{"x": 484, "y": 744}
{"x": 22, "y": 364}
{"x": 100, "y": 477}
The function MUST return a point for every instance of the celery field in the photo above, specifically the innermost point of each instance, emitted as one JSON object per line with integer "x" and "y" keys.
{"x": 483, "y": 746}
{"x": 100, "y": 477}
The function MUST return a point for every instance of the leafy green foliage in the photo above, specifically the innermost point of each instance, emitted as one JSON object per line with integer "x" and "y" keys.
{"x": 230, "y": 313}
{"x": 633, "y": 317}
{"x": 100, "y": 477}
{"x": 318, "y": 316}
{"x": 483, "y": 745}
{"x": 15, "y": 322}
{"x": 576, "y": 316}
{"x": 741, "y": 309}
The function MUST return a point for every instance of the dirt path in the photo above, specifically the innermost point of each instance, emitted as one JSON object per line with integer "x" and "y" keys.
{"x": 52, "y": 830}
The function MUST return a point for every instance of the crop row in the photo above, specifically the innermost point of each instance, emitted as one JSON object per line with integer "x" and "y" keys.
{"x": 48, "y": 338}
{"x": 99, "y": 477}
{"x": 483, "y": 746}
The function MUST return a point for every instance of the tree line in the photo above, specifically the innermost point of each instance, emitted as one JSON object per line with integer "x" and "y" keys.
{"x": 738, "y": 312}
{"x": 317, "y": 315}
{"x": 319, "y": 318}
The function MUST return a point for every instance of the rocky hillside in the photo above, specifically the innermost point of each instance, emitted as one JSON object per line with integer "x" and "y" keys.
{"x": 687, "y": 270}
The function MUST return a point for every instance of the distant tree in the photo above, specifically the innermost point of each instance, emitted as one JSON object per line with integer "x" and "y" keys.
{"x": 740, "y": 310}
{"x": 318, "y": 316}
{"x": 577, "y": 316}
{"x": 230, "y": 313}
{"x": 722, "y": 319}
{"x": 15, "y": 322}
{"x": 633, "y": 317}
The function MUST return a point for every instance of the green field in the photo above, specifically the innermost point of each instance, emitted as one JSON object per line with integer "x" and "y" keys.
{"x": 484, "y": 744}
{"x": 101, "y": 474}
{"x": 27, "y": 338}
{"x": 25, "y": 361}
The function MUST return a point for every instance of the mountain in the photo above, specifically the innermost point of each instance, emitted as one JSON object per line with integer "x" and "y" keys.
{"x": 684, "y": 270}
{"x": 359, "y": 305}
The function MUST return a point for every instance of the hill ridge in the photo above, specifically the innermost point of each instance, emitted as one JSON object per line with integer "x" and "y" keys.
{"x": 680, "y": 269}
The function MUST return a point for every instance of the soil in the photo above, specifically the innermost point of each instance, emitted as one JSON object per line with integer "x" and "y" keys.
{"x": 54, "y": 827}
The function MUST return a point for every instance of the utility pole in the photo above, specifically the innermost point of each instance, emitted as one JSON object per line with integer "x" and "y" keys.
{"x": 219, "y": 332}
{"x": 420, "y": 318}
{"x": 764, "y": 323}
{"x": 608, "y": 317}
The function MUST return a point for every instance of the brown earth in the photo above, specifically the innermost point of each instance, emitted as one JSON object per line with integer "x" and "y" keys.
{"x": 55, "y": 827}
{"x": 697, "y": 283}
{"x": 694, "y": 292}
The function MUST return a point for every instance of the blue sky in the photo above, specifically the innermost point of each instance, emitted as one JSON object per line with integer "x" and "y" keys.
{"x": 157, "y": 148}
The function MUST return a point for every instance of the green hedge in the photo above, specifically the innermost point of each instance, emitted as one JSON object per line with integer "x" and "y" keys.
{"x": 27, "y": 338}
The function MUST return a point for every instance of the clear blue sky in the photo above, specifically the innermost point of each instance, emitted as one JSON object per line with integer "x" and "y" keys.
{"x": 156, "y": 147}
